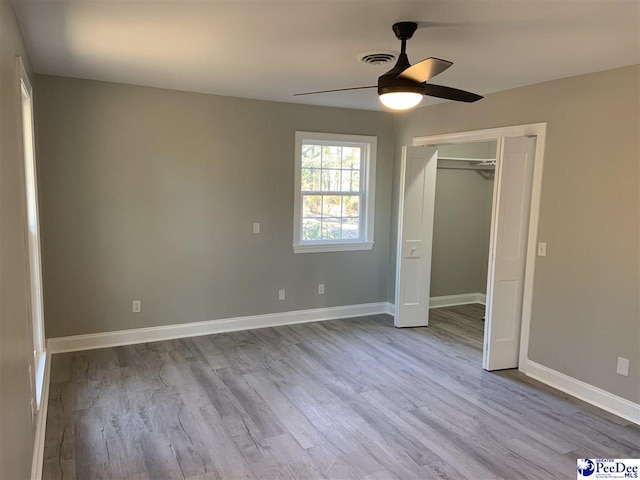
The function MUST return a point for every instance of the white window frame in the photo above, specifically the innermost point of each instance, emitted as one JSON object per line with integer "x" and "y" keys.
{"x": 35, "y": 301}
{"x": 367, "y": 208}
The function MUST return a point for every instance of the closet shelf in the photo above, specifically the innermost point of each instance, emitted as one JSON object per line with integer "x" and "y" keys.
{"x": 458, "y": 163}
{"x": 463, "y": 159}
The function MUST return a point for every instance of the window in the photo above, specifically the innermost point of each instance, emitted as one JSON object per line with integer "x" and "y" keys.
{"x": 33, "y": 236}
{"x": 334, "y": 192}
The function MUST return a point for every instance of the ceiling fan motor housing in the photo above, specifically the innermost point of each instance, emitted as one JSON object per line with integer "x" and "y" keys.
{"x": 390, "y": 82}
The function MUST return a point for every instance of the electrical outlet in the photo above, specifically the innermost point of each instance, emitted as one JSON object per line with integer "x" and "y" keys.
{"x": 256, "y": 227}
{"x": 280, "y": 294}
{"x": 623, "y": 366}
{"x": 542, "y": 249}
{"x": 321, "y": 289}
{"x": 137, "y": 304}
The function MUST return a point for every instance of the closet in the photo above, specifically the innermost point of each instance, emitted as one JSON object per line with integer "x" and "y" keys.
{"x": 462, "y": 221}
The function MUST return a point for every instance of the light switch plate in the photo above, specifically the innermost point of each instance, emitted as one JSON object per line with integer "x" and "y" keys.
{"x": 542, "y": 249}
{"x": 136, "y": 306}
{"x": 280, "y": 294}
{"x": 623, "y": 366}
{"x": 256, "y": 227}
{"x": 321, "y": 289}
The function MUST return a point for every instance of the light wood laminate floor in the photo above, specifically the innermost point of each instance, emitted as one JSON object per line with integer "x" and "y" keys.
{"x": 343, "y": 399}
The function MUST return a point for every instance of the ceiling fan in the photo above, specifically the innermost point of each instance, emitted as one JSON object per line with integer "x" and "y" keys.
{"x": 404, "y": 85}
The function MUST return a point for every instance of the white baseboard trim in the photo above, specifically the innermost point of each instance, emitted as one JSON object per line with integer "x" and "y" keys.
{"x": 391, "y": 309}
{"x": 168, "y": 332}
{"x": 448, "y": 301}
{"x": 596, "y": 396}
{"x": 460, "y": 299}
{"x": 41, "y": 423}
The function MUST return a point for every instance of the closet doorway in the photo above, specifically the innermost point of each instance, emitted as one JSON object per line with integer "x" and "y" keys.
{"x": 462, "y": 223}
{"x": 509, "y": 162}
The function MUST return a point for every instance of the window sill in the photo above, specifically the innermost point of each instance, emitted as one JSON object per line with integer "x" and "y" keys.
{"x": 331, "y": 247}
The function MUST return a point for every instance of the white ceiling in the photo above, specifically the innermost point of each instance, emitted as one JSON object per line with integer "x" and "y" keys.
{"x": 272, "y": 49}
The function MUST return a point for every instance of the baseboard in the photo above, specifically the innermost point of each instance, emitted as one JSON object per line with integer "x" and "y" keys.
{"x": 448, "y": 301}
{"x": 41, "y": 423}
{"x": 168, "y": 332}
{"x": 391, "y": 309}
{"x": 453, "y": 300}
{"x": 596, "y": 396}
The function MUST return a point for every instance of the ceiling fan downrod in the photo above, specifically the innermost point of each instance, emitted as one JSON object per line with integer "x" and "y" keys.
{"x": 390, "y": 81}
{"x": 404, "y": 31}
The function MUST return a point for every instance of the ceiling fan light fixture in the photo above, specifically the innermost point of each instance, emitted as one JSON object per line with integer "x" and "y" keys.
{"x": 401, "y": 100}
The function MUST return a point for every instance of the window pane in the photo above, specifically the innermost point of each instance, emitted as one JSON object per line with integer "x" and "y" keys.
{"x": 330, "y": 228}
{"x": 310, "y": 179}
{"x": 331, "y": 157}
{"x": 312, "y": 206}
{"x": 330, "y": 180}
{"x": 311, "y": 156}
{"x": 311, "y": 229}
{"x": 350, "y": 206}
{"x": 350, "y": 228}
{"x": 350, "y": 181}
{"x": 331, "y": 206}
{"x": 351, "y": 157}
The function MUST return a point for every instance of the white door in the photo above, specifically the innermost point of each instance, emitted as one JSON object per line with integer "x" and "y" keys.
{"x": 509, "y": 251}
{"x": 415, "y": 235}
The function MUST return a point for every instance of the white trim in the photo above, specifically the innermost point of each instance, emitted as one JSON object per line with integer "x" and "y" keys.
{"x": 34, "y": 286}
{"x": 41, "y": 365}
{"x": 447, "y": 301}
{"x": 460, "y": 299}
{"x": 33, "y": 291}
{"x": 41, "y": 423}
{"x": 332, "y": 247}
{"x": 595, "y": 396}
{"x": 367, "y": 207}
{"x": 168, "y": 332}
{"x": 533, "y": 129}
{"x": 391, "y": 309}
{"x": 538, "y": 130}
{"x": 22, "y": 75}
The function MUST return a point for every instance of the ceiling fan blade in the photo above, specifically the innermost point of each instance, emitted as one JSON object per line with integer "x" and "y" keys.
{"x": 336, "y": 90}
{"x": 425, "y": 69}
{"x": 450, "y": 93}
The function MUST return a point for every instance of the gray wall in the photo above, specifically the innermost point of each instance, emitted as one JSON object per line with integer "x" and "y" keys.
{"x": 16, "y": 345}
{"x": 461, "y": 226}
{"x": 150, "y": 194}
{"x": 586, "y": 291}
{"x": 479, "y": 150}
